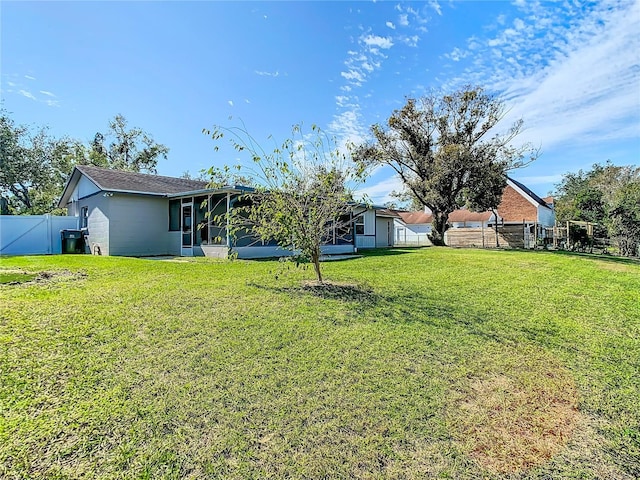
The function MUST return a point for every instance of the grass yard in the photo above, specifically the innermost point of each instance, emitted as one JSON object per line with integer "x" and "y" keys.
{"x": 432, "y": 363}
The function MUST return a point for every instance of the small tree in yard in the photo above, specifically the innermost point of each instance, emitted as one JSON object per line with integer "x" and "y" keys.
{"x": 447, "y": 153}
{"x": 302, "y": 191}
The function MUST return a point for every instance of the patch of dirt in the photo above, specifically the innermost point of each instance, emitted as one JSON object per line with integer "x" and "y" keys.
{"x": 517, "y": 417}
{"x": 338, "y": 291}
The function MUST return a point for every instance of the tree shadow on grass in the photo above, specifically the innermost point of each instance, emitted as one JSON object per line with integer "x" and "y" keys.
{"x": 567, "y": 253}
{"x": 600, "y": 257}
{"x": 386, "y": 252}
{"x": 347, "y": 292}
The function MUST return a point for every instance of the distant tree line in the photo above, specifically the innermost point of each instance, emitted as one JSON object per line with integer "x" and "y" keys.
{"x": 34, "y": 165}
{"x": 607, "y": 195}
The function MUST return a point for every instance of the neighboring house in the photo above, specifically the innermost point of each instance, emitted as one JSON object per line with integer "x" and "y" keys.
{"x": 135, "y": 214}
{"x": 522, "y": 218}
{"x": 412, "y": 228}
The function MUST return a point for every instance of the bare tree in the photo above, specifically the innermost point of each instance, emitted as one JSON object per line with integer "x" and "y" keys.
{"x": 302, "y": 193}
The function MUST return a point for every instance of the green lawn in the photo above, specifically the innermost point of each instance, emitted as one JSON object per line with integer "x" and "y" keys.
{"x": 432, "y": 363}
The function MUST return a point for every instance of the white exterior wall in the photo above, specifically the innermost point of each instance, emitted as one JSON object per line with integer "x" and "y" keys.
{"x": 368, "y": 240}
{"x": 84, "y": 188}
{"x": 384, "y": 232}
{"x": 412, "y": 234}
{"x": 138, "y": 225}
{"x": 97, "y": 223}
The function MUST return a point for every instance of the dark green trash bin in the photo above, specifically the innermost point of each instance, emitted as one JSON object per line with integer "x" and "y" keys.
{"x": 72, "y": 241}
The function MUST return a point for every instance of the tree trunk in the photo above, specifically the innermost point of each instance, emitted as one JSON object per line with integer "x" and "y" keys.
{"x": 495, "y": 215}
{"x": 315, "y": 259}
{"x": 438, "y": 228}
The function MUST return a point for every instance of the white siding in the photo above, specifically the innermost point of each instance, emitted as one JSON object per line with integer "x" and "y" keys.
{"x": 138, "y": 225}
{"x": 368, "y": 240}
{"x": 84, "y": 188}
{"x": 384, "y": 232}
{"x": 363, "y": 241}
{"x": 412, "y": 234}
{"x": 369, "y": 222}
{"x": 97, "y": 224}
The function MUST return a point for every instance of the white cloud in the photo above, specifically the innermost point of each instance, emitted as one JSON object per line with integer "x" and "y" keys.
{"x": 230, "y": 102}
{"x": 29, "y": 77}
{"x": 590, "y": 92}
{"x": 390, "y": 25}
{"x": 436, "y": 6}
{"x": 571, "y": 72}
{"x": 403, "y": 20}
{"x": 519, "y": 24}
{"x": 11, "y": 84}
{"x": 379, "y": 193}
{"x": 27, "y": 94}
{"x": 353, "y": 75}
{"x": 457, "y": 54}
{"x": 347, "y": 126}
{"x": 376, "y": 41}
{"x": 48, "y": 94}
{"x": 342, "y": 100}
{"x": 411, "y": 41}
{"x": 263, "y": 73}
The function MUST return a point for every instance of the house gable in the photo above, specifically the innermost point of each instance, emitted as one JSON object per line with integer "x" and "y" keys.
{"x": 516, "y": 207}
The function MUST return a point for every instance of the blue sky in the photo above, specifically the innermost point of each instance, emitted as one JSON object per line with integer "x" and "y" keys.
{"x": 570, "y": 70}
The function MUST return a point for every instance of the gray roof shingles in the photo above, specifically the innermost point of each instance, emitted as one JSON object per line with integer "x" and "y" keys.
{"x": 123, "y": 181}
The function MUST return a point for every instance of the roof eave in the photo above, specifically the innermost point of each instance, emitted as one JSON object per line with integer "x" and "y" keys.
{"x": 208, "y": 191}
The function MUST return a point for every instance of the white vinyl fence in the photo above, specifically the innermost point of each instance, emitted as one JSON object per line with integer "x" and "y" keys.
{"x": 33, "y": 234}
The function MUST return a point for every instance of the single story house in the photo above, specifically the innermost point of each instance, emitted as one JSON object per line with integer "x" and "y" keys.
{"x": 135, "y": 214}
{"x": 522, "y": 218}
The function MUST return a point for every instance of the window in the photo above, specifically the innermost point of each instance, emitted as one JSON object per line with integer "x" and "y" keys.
{"x": 360, "y": 225}
{"x": 174, "y": 215}
{"x": 84, "y": 217}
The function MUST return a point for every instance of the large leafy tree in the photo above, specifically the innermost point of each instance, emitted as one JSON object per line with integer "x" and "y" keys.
{"x": 608, "y": 195}
{"x": 302, "y": 191}
{"x": 33, "y": 167}
{"x": 124, "y": 148}
{"x": 447, "y": 151}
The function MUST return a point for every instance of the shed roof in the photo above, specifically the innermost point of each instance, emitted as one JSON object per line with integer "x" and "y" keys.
{"x": 415, "y": 218}
{"x": 385, "y": 212}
